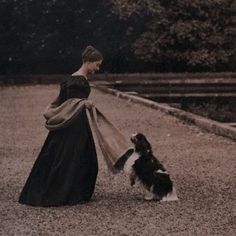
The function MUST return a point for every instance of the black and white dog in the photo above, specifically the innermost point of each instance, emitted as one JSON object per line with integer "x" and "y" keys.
{"x": 142, "y": 165}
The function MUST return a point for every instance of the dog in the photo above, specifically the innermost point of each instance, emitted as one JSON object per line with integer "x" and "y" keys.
{"x": 145, "y": 167}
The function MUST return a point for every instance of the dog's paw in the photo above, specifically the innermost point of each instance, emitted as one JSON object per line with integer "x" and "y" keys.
{"x": 150, "y": 197}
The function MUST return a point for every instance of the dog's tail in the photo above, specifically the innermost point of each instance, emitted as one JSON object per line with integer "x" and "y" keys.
{"x": 172, "y": 196}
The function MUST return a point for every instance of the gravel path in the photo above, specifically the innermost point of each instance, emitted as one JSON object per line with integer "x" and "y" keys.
{"x": 202, "y": 166}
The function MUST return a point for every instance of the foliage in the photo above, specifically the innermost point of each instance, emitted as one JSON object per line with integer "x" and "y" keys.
{"x": 49, "y": 35}
{"x": 191, "y": 34}
{"x": 134, "y": 35}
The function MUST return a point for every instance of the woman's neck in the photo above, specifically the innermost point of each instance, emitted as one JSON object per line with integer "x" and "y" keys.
{"x": 82, "y": 71}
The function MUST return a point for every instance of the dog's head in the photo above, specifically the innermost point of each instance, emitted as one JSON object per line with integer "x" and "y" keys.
{"x": 141, "y": 143}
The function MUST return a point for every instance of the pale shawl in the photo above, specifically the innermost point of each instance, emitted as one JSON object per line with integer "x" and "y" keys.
{"x": 113, "y": 144}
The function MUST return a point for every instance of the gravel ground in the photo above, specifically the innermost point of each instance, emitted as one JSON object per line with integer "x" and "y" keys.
{"x": 202, "y": 166}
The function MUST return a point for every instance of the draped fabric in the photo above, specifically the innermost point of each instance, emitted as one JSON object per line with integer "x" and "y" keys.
{"x": 113, "y": 144}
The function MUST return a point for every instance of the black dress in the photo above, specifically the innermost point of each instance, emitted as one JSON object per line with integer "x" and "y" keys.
{"x": 66, "y": 169}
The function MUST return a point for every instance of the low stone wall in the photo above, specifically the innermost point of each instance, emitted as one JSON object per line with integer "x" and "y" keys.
{"x": 204, "y": 123}
{"x": 160, "y": 76}
{"x": 52, "y": 79}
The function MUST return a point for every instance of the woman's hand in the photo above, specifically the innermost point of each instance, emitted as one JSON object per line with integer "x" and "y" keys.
{"x": 88, "y": 104}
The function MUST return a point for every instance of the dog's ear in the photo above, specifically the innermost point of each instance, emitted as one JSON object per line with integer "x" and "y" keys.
{"x": 142, "y": 144}
{"x": 148, "y": 145}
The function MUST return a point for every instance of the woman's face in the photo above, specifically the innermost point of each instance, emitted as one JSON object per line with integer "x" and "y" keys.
{"x": 94, "y": 66}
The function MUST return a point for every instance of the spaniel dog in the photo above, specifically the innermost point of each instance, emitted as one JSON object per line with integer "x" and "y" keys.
{"x": 145, "y": 167}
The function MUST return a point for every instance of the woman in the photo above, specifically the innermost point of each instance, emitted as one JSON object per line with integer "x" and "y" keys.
{"x": 66, "y": 169}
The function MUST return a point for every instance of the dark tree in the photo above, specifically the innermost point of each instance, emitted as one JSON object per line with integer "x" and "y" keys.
{"x": 193, "y": 35}
{"x": 48, "y": 36}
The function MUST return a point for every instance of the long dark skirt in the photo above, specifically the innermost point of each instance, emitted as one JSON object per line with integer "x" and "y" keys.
{"x": 66, "y": 169}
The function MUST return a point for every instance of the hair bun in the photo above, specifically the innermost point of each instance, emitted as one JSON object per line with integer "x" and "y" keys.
{"x": 91, "y": 54}
{"x": 89, "y": 49}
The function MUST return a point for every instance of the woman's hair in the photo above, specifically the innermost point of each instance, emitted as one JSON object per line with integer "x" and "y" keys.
{"x": 91, "y": 54}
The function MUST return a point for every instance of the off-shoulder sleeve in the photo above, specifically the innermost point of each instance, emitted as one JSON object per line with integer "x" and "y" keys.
{"x": 62, "y": 94}
{"x": 77, "y": 87}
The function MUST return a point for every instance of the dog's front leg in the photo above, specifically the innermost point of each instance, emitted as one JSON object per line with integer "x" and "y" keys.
{"x": 132, "y": 177}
